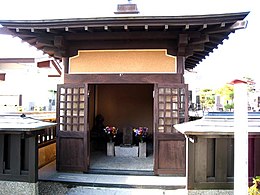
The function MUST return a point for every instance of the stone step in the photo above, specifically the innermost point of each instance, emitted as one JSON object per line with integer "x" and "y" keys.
{"x": 119, "y": 181}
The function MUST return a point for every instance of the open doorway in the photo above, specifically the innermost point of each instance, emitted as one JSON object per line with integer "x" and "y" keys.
{"x": 125, "y": 107}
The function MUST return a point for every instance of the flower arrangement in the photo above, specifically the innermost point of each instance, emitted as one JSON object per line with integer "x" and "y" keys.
{"x": 111, "y": 132}
{"x": 254, "y": 189}
{"x": 140, "y": 133}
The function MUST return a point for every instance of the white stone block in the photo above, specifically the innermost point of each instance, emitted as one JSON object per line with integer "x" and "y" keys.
{"x": 129, "y": 151}
{"x": 110, "y": 149}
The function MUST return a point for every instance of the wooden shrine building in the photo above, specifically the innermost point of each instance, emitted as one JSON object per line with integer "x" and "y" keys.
{"x": 130, "y": 70}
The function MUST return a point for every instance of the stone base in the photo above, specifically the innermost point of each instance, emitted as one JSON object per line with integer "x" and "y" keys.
{"x": 110, "y": 149}
{"x": 131, "y": 151}
{"x": 142, "y": 149}
{"x": 21, "y": 188}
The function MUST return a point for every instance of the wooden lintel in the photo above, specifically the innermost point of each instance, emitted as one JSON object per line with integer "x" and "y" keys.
{"x": 74, "y": 47}
{"x": 123, "y": 78}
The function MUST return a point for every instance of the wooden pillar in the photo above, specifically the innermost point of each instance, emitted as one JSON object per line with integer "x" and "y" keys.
{"x": 65, "y": 61}
{"x": 221, "y": 160}
{"x": 181, "y": 66}
{"x": 256, "y": 156}
{"x": 26, "y": 154}
{"x": 15, "y": 155}
{"x": 1, "y": 153}
{"x": 191, "y": 164}
{"x": 33, "y": 159}
{"x": 201, "y": 160}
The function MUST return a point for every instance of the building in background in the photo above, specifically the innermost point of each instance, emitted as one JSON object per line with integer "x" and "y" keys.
{"x": 26, "y": 85}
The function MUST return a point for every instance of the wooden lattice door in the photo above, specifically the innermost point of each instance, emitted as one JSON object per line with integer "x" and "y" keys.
{"x": 72, "y": 134}
{"x": 170, "y": 108}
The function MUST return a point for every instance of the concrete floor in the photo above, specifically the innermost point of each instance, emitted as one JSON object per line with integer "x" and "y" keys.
{"x": 99, "y": 160}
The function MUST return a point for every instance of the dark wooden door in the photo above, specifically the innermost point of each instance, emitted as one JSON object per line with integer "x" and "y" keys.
{"x": 72, "y": 134}
{"x": 170, "y": 108}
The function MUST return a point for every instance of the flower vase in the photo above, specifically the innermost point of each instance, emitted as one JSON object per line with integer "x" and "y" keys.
{"x": 142, "y": 149}
{"x": 110, "y": 148}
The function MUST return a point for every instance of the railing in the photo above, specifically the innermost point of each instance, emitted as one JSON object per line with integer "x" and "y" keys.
{"x": 47, "y": 137}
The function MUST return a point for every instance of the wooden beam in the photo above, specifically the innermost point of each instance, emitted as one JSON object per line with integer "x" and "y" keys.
{"x": 200, "y": 160}
{"x": 30, "y": 40}
{"x": 127, "y": 35}
{"x": 123, "y": 78}
{"x": 203, "y": 39}
{"x": 15, "y": 154}
{"x": 57, "y": 67}
{"x": 183, "y": 39}
{"x": 2, "y": 149}
{"x": 33, "y": 159}
{"x": 221, "y": 160}
{"x": 74, "y": 47}
{"x": 44, "y": 64}
{"x": 197, "y": 47}
{"x": 2, "y": 76}
{"x": 53, "y": 51}
{"x": 17, "y": 60}
{"x": 40, "y": 43}
{"x": 59, "y": 41}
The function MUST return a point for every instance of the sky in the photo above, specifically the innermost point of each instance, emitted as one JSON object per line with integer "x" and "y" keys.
{"x": 236, "y": 58}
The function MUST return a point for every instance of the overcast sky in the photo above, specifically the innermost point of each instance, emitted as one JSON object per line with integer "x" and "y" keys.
{"x": 235, "y": 58}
